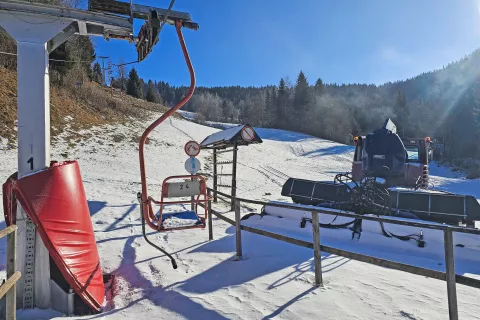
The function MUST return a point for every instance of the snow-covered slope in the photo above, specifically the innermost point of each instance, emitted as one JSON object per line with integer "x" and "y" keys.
{"x": 275, "y": 279}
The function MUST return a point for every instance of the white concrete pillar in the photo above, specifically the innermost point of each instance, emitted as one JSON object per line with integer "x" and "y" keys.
{"x": 34, "y": 141}
{"x": 32, "y": 32}
{"x": 33, "y": 107}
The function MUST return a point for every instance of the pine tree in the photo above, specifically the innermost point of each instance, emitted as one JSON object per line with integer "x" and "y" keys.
{"x": 476, "y": 120}
{"x": 134, "y": 85}
{"x": 402, "y": 112}
{"x": 97, "y": 72}
{"x": 301, "y": 101}
{"x": 168, "y": 93}
{"x": 471, "y": 122}
{"x": 282, "y": 102}
{"x": 152, "y": 95}
{"x": 273, "y": 107}
{"x": 267, "y": 112}
{"x": 320, "y": 87}
{"x": 225, "y": 110}
{"x": 121, "y": 74}
{"x": 476, "y": 114}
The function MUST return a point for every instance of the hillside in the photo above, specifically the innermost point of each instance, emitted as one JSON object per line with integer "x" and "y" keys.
{"x": 442, "y": 104}
{"x": 72, "y": 109}
{"x": 275, "y": 279}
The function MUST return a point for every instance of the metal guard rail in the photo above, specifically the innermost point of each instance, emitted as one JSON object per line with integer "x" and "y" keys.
{"x": 449, "y": 276}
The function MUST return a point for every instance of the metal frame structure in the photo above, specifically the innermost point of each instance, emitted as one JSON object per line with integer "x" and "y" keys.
{"x": 146, "y": 201}
{"x": 142, "y": 12}
{"x": 162, "y": 202}
{"x": 38, "y": 29}
{"x": 225, "y": 142}
{"x": 82, "y": 22}
{"x": 146, "y": 210}
{"x": 216, "y": 164}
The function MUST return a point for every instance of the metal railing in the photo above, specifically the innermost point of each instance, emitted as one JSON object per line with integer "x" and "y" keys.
{"x": 8, "y": 288}
{"x": 449, "y": 275}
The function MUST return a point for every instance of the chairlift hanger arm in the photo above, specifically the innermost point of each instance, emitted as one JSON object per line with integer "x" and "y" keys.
{"x": 145, "y": 202}
{"x": 141, "y": 12}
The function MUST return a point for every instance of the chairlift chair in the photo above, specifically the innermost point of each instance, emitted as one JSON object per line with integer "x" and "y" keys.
{"x": 171, "y": 186}
{"x": 184, "y": 186}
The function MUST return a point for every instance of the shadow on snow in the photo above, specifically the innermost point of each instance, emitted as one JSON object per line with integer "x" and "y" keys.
{"x": 264, "y": 256}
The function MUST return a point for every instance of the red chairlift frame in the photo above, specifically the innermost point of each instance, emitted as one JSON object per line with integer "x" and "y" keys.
{"x": 162, "y": 202}
{"x": 146, "y": 201}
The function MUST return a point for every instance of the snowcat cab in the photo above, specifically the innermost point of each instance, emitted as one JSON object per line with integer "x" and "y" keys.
{"x": 383, "y": 154}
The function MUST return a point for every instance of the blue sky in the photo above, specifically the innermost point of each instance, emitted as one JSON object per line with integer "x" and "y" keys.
{"x": 256, "y": 42}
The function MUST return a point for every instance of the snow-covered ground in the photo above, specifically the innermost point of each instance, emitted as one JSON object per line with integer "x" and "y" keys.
{"x": 215, "y": 124}
{"x": 275, "y": 279}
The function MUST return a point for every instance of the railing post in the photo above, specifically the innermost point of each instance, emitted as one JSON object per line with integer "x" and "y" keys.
{"x": 215, "y": 188}
{"x": 450, "y": 274}
{"x": 317, "y": 257}
{"x": 238, "y": 230}
{"x": 192, "y": 198}
{"x": 234, "y": 175}
{"x": 11, "y": 296}
{"x": 209, "y": 212}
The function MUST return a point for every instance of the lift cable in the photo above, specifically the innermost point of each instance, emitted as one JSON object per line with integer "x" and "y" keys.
{"x": 56, "y": 60}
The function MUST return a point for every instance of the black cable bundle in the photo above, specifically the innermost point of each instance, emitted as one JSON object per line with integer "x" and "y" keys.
{"x": 416, "y": 237}
{"x": 365, "y": 197}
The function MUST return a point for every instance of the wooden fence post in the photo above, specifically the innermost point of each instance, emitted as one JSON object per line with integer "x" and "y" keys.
{"x": 238, "y": 230}
{"x": 11, "y": 296}
{"x": 209, "y": 212}
{"x": 450, "y": 274}
{"x": 317, "y": 257}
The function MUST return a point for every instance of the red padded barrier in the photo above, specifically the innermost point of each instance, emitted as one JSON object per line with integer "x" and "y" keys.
{"x": 54, "y": 199}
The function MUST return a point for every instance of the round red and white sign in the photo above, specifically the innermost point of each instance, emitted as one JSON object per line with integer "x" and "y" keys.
{"x": 192, "y": 148}
{"x": 248, "y": 134}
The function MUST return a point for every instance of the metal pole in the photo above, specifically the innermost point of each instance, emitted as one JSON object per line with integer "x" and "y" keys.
{"x": 317, "y": 257}
{"x": 234, "y": 175}
{"x": 215, "y": 174}
{"x": 104, "y": 80}
{"x": 238, "y": 230}
{"x": 210, "y": 221}
{"x": 192, "y": 198}
{"x": 450, "y": 275}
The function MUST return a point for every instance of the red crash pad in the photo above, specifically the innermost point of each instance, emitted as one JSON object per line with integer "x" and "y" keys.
{"x": 54, "y": 199}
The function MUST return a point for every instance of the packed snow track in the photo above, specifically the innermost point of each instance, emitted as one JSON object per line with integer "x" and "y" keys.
{"x": 275, "y": 278}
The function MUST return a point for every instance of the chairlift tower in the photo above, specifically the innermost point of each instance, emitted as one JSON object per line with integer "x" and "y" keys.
{"x": 104, "y": 78}
{"x": 38, "y": 29}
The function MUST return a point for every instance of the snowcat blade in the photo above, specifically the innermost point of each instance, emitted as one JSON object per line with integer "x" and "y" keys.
{"x": 429, "y": 206}
{"x": 314, "y": 192}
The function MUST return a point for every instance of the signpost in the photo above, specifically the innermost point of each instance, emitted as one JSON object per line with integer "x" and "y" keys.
{"x": 192, "y": 165}
{"x": 192, "y": 148}
{"x": 247, "y": 133}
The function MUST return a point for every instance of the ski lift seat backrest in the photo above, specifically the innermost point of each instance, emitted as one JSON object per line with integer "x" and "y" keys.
{"x": 187, "y": 188}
